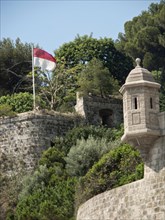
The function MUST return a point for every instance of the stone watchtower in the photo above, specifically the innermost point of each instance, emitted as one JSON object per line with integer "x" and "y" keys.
{"x": 141, "y": 108}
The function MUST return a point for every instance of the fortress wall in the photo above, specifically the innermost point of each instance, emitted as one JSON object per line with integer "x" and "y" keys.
{"x": 90, "y": 106}
{"x": 140, "y": 200}
{"x": 23, "y": 138}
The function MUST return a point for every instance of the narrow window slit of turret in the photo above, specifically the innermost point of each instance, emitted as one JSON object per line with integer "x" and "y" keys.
{"x": 135, "y": 103}
{"x": 151, "y": 103}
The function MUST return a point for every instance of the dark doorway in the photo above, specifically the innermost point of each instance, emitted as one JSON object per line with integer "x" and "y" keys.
{"x": 106, "y": 117}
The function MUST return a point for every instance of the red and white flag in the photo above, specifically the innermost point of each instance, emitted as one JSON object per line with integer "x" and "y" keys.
{"x": 44, "y": 60}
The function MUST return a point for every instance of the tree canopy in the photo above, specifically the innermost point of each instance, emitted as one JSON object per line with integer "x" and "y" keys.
{"x": 96, "y": 79}
{"x": 15, "y": 64}
{"x": 144, "y": 37}
{"x": 85, "y": 48}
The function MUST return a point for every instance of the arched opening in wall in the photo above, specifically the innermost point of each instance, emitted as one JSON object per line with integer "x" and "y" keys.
{"x": 106, "y": 116}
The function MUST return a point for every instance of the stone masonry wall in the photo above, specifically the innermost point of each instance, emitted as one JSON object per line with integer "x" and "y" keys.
{"x": 89, "y": 107}
{"x": 140, "y": 200}
{"x": 23, "y": 138}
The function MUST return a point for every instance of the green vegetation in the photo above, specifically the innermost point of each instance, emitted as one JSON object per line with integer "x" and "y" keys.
{"x": 85, "y": 153}
{"x": 58, "y": 89}
{"x": 84, "y": 132}
{"x": 89, "y": 144}
{"x": 15, "y": 64}
{"x": 20, "y": 102}
{"x": 120, "y": 166}
{"x": 96, "y": 79}
{"x": 6, "y": 110}
{"x": 144, "y": 37}
{"x": 47, "y": 195}
{"x": 84, "y": 48}
{"x": 67, "y": 177}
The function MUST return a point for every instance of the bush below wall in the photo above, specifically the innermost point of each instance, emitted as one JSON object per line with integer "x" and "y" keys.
{"x": 120, "y": 166}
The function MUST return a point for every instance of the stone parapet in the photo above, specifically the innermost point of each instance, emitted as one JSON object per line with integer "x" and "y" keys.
{"x": 24, "y": 137}
{"x": 100, "y": 111}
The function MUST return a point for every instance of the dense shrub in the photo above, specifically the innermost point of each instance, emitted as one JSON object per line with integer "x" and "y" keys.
{"x": 120, "y": 166}
{"x": 52, "y": 157}
{"x": 49, "y": 192}
{"x": 85, "y": 153}
{"x": 83, "y": 132}
{"x": 97, "y": 132}
{"x": 48, "y": 202}
{"x": 21, "y": 102}
{"x": 6, "y": 110}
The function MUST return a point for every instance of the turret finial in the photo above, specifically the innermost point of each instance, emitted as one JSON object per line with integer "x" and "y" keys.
{"x": 138, "y": 60}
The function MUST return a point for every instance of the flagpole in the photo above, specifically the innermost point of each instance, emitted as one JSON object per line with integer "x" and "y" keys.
{"x": 33, "y": 79}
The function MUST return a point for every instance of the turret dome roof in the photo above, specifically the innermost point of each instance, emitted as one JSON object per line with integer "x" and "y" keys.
{"x": 139, "y": 74}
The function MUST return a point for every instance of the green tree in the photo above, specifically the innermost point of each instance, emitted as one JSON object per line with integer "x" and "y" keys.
{"x": 96, "y": 79}
{"x": 57, "y": 88}
{"x": 15, "y": 64}
{"x": 85, "y": 48}
{"x": 144, "y": 37}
